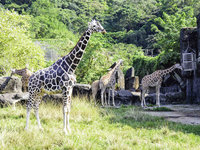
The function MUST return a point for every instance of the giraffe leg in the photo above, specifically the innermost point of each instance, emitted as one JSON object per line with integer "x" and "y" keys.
{"x": 108, "y": 97}
{"x": 28, "y": 109}
{"x": 113, "y": 96}
{"x": 36, "y": 109}
{"x": 105, "y": 96}
{"x": 143, "y": 103}
{"x": 102, "y": 96}
{"x": 66, "y": 110}
{"x": 147, "y": 91}
{"x": 94, "y": 97}
{"x": 158, "y": 96}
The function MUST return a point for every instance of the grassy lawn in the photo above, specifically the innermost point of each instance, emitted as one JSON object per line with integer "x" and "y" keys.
{"x": 94, "y": 128}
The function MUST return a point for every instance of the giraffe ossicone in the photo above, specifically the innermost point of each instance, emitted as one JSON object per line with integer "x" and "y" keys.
{"x": 155, "y": 80}
{"x": 60, "y": 76}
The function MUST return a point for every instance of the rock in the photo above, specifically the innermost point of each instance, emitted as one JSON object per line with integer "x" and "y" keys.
{"x": 12, "y": 98}
{"x": 82, "y": 90}
{"x": 120, "y": 79}
{"x": 168, "y": 98}
{"x": 125, "y": 97}
{"x": 130, "y": 73}
{"x": 131, "y": 81}
{"x": 13, "y": 86}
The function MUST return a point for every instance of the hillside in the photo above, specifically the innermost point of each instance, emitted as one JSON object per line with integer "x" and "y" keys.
{"x": 132, "y": 26}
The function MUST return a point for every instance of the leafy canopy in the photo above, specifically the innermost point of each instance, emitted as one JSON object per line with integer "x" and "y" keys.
{"x": 16, "y": 47}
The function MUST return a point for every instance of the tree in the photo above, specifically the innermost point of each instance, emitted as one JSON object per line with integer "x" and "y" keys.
{"x": 168, "y": 28}
{"x": 16, "y": 47}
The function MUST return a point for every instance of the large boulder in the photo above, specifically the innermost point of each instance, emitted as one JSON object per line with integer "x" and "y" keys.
{"x": 13, "y": 86}
{"x": 12, "y": 98}
{"x": 125, "y": 97}
{"x": 168, "y": 98}
{"x": 82, "y": 90}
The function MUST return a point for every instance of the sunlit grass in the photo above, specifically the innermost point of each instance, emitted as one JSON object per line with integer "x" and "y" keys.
{"x": 93, "y": 128}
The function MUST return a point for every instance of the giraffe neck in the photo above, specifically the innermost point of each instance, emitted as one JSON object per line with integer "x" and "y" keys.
{"x": 73, "y": 58}
{"x": 19, "y": 72}
{"x": 114, "y": 70}
{"x": 166, "y": 71}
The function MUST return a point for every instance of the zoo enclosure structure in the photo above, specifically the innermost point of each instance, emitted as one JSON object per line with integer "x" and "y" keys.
{"x": 190, "y": 59}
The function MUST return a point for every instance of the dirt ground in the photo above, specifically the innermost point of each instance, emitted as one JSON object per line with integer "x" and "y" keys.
{"x": 186, "y": 114}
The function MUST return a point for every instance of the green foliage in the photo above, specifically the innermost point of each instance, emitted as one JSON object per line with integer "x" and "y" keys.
{"x": 133, "y": 19}
{"x": 167, "y": 37}
{"x": 131, "y": 26}
{"x": 45, "y": 23}
{"x": 100, "y": 55}
{"x": 146, "y": 65}
{"x": 16, "y": 48}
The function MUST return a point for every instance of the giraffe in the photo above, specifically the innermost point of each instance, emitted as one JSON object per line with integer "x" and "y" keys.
{"x": 155, "y": 80}
{"x": 25, "y": 73}
{"x": 108, "y": 82}
{"x": 95, "y": 84}
{"x": 95, "y": 88}
{"x": 59, "y": 76}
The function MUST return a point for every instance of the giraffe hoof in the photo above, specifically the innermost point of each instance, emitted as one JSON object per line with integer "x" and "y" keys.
{"x": 69, "y": 130}
{"x": 65, "y": 131}
{"x": 41, "y": 129}
{"x": 26, "y": 128}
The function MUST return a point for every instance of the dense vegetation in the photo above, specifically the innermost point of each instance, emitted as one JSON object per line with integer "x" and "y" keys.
{"x": 94, "y": 128}
{"x": 131, "y": 25}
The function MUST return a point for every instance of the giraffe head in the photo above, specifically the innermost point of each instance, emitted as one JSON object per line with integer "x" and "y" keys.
{"x": 96, "y": 26}
{"x": 178, "y": 66}
{"x": 120, "y": 61}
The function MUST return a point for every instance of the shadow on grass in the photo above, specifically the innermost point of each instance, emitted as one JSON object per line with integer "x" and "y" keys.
{"x": 133, "y": 116}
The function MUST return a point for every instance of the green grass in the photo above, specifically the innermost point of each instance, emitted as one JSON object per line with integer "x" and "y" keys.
{"x": 94, "y": 128}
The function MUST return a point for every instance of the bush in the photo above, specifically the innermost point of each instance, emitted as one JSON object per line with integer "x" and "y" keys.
{"x": 146, "y": 65}
{"x": 16, "y": 48}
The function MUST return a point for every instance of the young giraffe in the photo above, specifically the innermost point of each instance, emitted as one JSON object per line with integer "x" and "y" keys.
{"x": 108, "y": 82}
{"x": 25, "y": 73}
{"x": 59, "y": 76}
{"x": 95, "y": 84}
{"x": 95, "y": 88}
{"x": 155, "y": 80}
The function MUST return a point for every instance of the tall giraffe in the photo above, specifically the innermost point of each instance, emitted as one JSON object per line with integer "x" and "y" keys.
{"x": 25, "y": 73}
{"x": 155, "y": 80}
{"x": 60, "y": 76}
{"x": 108, "y": 82}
